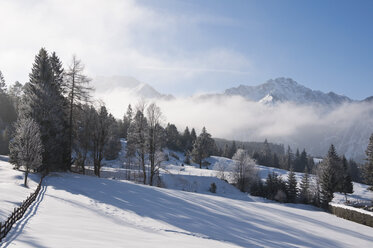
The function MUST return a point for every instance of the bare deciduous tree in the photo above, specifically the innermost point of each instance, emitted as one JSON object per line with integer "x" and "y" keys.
{"x": 76, "y": 89}
{"x": 154, "y": 142}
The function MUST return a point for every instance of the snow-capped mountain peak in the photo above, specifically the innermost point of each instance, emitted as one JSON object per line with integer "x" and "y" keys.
{"x": 286, "y": 90}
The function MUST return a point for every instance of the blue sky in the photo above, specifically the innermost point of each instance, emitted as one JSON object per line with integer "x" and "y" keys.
{"x": 187, "y": 47}
{"x": 326, "y": 45}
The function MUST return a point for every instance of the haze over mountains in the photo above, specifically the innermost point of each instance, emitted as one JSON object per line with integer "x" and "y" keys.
{"x": 280, "y": 110}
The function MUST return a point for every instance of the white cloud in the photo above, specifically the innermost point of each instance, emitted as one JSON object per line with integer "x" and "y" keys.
{"x": 111, "y": 37}
{"x": 314, "y": 128}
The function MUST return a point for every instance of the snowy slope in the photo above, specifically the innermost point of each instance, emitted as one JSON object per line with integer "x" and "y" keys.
{"x": 12, "y": 191}
{"x": 84, "y": 211}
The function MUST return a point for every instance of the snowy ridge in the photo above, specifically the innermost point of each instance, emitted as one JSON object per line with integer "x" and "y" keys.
{"x": 286, "y": 90}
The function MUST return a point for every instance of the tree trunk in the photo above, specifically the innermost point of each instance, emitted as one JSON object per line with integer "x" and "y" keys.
{"x": 143, "y": 167}
{"x": 26, "y": 174}
{"x": 71, "y": 121}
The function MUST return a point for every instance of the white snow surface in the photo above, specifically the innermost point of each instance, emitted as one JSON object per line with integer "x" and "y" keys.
{"x": 12, "y": 190}
{"x": 84, "y": 211}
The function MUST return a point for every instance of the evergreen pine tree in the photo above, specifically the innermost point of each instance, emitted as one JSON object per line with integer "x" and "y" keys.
{"x": 289, "y": 159}
{"x": 173, "y": 138}
{"x": 187, "y": 140}
{"x": 329, "y": 178}
{"x": 275, "y": 160}
{"x": 346, "y": 184}
{"x": 203, "y": 147}
{"x": 58, "y": 81}
{"x": 291, "y": 187}
{"x": 127, "y": 119}
{"x": 303, "y": 161}
{"x": 297, "y": 162}
{"x": 43, "y": 103}
{"x": 193, "y": 136}
{"x": 304, "y": 193}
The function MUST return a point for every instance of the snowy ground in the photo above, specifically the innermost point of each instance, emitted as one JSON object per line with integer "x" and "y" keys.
{"x": 12, "y": 191}
{"x": 84, "y": 211}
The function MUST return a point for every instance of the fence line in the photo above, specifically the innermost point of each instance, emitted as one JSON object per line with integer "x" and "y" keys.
{"x": 18, "y": 212}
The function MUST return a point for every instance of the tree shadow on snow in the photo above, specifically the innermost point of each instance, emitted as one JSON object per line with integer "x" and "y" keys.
{"x": 205, "y": 216}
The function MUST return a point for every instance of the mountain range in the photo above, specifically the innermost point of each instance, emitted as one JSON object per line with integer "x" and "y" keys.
{"x": 286, "y": 90}
{"x": 349, "y": 133}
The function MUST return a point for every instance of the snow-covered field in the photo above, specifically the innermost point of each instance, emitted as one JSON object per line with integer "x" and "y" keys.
{"x": 12, "y": 191}
{"x": 84, "y": 211}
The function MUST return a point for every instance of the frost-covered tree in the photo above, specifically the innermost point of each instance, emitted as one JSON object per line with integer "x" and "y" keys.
{"x": 368, "y": 168}
{"x": 26, "y": 147}
{"x": 2, "y": 83}
{"x": 244, "y": 170}
{"x": 127, "y": 119}
{"x": 291, "y": 187}
{"x": 15, "y": 93}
